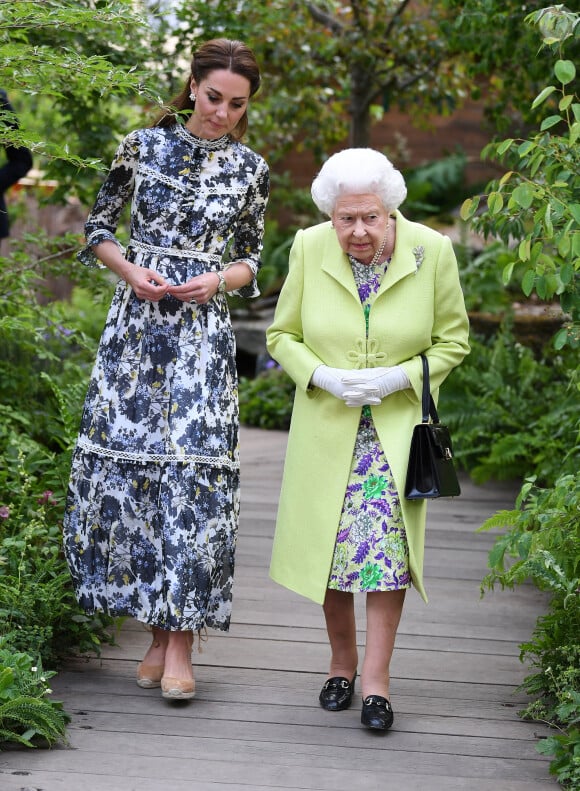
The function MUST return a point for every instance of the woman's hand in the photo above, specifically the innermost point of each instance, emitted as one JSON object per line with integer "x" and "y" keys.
{"x": 337, "y": 382}
{"x": 383, "y": 380}
{"x": 146, "y": 283}
{"x": 199, "y": 289}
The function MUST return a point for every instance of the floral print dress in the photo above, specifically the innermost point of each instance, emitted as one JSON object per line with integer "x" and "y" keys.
{"x": 152, "y": 508}
{"x": 371, "y": 551}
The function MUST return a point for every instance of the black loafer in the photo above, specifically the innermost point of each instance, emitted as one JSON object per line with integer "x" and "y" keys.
{"x": 377, "y": 713}
{"x": 336, "y": 694}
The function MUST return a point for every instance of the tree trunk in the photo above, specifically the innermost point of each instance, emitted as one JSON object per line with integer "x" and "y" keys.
{"x": 360, "y": 118}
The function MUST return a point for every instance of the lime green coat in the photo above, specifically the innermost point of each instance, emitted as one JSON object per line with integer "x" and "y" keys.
{"x": 319, "y": 320}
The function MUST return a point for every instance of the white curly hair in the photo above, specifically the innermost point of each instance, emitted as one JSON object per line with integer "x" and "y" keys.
{"x": 356, "y": 171}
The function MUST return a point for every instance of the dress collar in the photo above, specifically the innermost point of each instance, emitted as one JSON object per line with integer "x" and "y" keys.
{"x": 200, "y": 142}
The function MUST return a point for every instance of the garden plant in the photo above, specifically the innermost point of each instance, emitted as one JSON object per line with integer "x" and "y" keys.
{"x": 535, "y": 210}
{"x": 45, "y": 354}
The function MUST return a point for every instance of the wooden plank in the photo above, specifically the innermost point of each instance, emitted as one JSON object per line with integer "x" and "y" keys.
{"x": 115, "y": 782}
{"x": 417, "y": 697}
{"x": 284, "y": 656}
{"x": 311, "y": 748}
{"x": 216, "y": 712}
{"x": 271, "y": 685}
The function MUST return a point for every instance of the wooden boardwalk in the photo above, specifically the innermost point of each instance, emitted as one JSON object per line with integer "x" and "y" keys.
{"x": 256, "y": 723}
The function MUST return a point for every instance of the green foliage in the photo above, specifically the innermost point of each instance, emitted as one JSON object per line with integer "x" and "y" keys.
{"x": 277, "y": 243}
{"x": 39, "y": 344}
{"x": 555, "y": 653}
{"x": 37, "y": 604}
{"x": 503, "y": 70}
{"x": 266, "y": 401}
{"x": 435, "y": 188}
{"x": 26, "y": 713}
{"x": 537, "y": 201}
{"x": 327, "y": 67}
{"x": 565, "y": 746}
{"x": 534, "y": 209}
{"x": 543, "y": 537}
{"x": 501, "y": 429}
{"x": 542, "y": 544}
{"x": 55, "y": 60}
{"x": 331, "y": 66}
{"x": 46, "y": 352}
{"x": 480, "y": 274}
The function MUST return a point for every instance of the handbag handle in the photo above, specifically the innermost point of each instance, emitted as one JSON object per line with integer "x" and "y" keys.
{"x": 427, "y": 403}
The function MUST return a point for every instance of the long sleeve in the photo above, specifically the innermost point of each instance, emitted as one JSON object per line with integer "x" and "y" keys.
{"x": 114, "y": 194}
{"x": 248, "y": 236}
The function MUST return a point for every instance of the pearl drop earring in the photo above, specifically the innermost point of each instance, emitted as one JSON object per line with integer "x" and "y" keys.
{"x": 192, "y": 96}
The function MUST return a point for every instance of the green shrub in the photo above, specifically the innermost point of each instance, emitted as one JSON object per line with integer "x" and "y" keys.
{"x": 266, "y": 401}
{"x": 480, "y": 273}
{"x": 27, "y": 716}
{"x": 534, "y": 207}
{"x": 47, "y": 350}
{"x": 38, "y": 608}
{"x": 435, "y": 188}
{"x": 542, "y": 544}
{"x": 513, "y": 415}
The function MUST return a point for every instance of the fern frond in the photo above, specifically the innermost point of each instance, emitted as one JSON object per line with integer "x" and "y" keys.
{"x": 10, "y": 736}
{"x": 69, "y": 420}
{"x": 26, "y": 717}
{"x": 501, "y": 519}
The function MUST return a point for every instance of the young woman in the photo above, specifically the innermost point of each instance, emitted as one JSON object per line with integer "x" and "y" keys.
{"x": 153, "y": 502}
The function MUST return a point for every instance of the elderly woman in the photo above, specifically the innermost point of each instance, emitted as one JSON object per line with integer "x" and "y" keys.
{"x": 366, "y": 294}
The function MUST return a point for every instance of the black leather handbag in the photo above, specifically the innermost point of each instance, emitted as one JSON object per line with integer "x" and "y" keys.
{"x": 430, "y": 472}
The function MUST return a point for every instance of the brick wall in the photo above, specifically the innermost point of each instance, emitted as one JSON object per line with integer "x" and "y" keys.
{"x": 408, "y": 146}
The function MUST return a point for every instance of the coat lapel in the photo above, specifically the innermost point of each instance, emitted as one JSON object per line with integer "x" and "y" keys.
{"x": 404, "y": 260}
{"x": 336, "y": 264}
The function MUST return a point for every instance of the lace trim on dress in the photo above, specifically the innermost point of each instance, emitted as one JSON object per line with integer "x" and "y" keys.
{"x": 157, "y": 458}
{"x": 87, "y": 256}
{"x": 185, "y": 189}
{"x": 208, "y": 145}
{"x": 178, "y": 251}
{"x": 158, "y": 176}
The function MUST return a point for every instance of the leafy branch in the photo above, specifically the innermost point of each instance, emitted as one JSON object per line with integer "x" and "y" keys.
{"x": 537, "y": 201}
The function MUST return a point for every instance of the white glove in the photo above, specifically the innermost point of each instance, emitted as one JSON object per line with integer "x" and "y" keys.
{"x": 364, "y": 395}
{"x": 383, "y": 380}
{"x": 337, "y": 381}
{"x": 334, "y": 380}
{"x": 330, "y": 379}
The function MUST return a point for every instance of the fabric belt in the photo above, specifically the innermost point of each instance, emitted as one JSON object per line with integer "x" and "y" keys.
{"x": 174, "y": 251}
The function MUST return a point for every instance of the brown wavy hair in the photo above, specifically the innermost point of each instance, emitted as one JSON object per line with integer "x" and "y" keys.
{"x": 219, "y": 53}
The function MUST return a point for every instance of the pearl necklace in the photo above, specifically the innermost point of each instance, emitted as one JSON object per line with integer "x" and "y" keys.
{"x": 379, "y": 252}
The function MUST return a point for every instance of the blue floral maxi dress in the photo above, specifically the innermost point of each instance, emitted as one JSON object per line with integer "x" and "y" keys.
{"x": 152, "y": 509}
{"x": 371, "y": 551}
